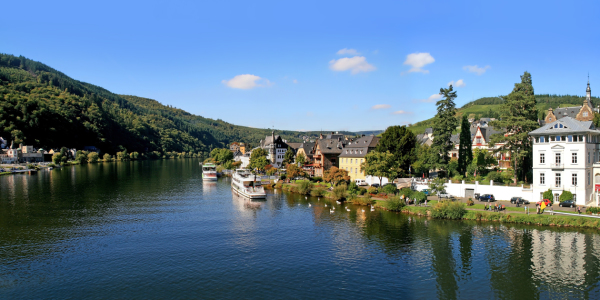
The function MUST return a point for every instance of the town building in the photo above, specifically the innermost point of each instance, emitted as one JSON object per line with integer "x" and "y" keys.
{"x": 234, "y": 147}
{"x": 584, "y": 112}
{"x": 23, "y": 154}
{"x": 564, "y": 152}
{"x": 242, "y": 148}
{"x": 276, "y": 148}
{"x": 353, "y": 155}
{"x": 306, "y": 149}
{"x": 326, "y": 151}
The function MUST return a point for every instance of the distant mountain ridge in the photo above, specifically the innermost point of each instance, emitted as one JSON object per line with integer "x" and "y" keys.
{"x": 44, "y": 107}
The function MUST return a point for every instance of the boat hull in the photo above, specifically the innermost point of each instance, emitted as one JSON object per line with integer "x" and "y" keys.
{"x": 248, "y": 195}
{"x": 209, "y": 177}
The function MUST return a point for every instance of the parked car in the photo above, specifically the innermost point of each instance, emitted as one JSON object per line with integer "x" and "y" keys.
{"x": 567, "y": 203}
{"x": 425, "y": 191}
{"x": 518, "y": 200}
{"x": 547, "y": 201}
{"x": 487, "y": 197}
{"x": 361, "y": 182}
{"x": 375, "y": 185}
{"x": 445, "y": 195}
{"x": 476, "y": 196}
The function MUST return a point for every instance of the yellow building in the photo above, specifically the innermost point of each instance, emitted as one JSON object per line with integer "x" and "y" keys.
{"x": 353, "y": 154}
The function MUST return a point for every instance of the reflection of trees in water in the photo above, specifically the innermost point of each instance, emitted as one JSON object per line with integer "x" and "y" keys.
{"x": 443, "y": 263}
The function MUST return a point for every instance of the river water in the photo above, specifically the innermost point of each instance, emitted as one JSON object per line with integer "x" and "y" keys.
{"x": 154, "y": 230}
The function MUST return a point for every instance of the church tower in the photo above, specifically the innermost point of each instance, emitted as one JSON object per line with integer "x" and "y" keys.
{"x": 588, "y": 93}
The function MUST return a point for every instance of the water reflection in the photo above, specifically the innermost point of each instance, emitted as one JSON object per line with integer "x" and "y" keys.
{"x": 108, "y": 226}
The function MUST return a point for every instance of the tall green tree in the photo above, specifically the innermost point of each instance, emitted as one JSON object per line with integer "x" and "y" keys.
{"x": 465, "y": 152}
{"x": 444, "y": 124}
{"x": 519, "y": 117}
{"x": 258, "y": 159}
{"x": 288, "y": 158}
{"x": 402, "y": 144}
{"x": 380, "y": 164}
{"x": 426, "y": 160}
{"x": 301, "y": 159}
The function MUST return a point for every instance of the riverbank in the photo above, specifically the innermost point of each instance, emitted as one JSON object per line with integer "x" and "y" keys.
{"x": 474, "y": 213}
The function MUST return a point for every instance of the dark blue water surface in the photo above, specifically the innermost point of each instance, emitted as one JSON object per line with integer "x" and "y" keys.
{"x": 154, "y": 230}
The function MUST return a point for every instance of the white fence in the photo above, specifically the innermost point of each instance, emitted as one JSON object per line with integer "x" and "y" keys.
{"x": 466, "y": 190}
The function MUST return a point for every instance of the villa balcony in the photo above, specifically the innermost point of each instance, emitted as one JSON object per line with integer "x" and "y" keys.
{"x": 557, "y": 166}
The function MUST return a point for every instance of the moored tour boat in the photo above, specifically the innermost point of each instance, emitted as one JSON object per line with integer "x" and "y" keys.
{"x": 246, "y": 184}
{"x": 209, "y": 172}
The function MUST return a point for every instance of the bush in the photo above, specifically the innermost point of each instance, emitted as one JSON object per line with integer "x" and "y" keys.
{"x": 372, "y": 190}
{"x": 317, "y": 192}
{"x": 107, "y": 157}
{"x": 395, "y": 203}
{"x": 420, "y": 196}
{"x": 317, "y": 179}
{"x": 566, "y": 195}
{"x": 339, "y": 192}
{"x": 495, "y": 176}
{"x": 367, "y": 200}
{"x": 448, "y": 210}
{"x": 548, "y": 195}
{"x": 93, "y": 157}
{"x": 470, "y": 202}
{"x": 406, "y": 192}
{"x": 390, "y": 189}
{"x": 362, "y": 191}
{"x": 304, "y": 187}
{"x": 279, "y": 184}
{"x": 458, "y": 178}
{"x": 353, "y": 189}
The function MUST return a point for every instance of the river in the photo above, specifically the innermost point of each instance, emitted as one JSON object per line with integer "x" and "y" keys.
{"x": 154, "y": 230}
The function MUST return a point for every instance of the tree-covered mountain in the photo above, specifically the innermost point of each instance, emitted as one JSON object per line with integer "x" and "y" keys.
{"x": 43, "y": 107}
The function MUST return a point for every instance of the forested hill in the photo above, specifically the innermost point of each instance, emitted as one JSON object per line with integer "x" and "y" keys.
{"x": 43, "y": 107}
{"x": 491, "y": 107}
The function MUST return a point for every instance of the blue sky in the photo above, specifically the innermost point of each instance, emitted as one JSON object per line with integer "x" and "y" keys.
{"x": 283, "y": 63}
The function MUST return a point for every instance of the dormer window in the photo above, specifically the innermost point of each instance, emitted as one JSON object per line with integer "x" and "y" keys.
{"x": 585, "y": 114}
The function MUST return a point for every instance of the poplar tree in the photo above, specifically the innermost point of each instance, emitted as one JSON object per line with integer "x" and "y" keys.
{"x": 444, "y": 124}
{"x": 288, "y": 158}
{"x": 465, "y": 151}
{"x": 519, "y": 117}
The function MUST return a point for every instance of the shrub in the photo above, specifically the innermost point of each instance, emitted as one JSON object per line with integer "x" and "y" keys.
{"x": 339, "y": 192}
{"x": 293, "y": 189}
{"x": 394, "y": 203}
{"x": 353, "y": 189}
{"x": 566, "y": 195}
{"x": 372, "y": 190}
{"x": 317, "y": 179}
{"x": 390, "y": 189}
{"x": 420, "y": 196}
{"x": 548, "y": 194}
{"x": 362, "y": 191}
{"x": 448, "y": 210}
{"x": 93, "y": 157}
{"x": 458, "y": 178}
{"x": 362, "y": 200}
{"x": 406, "y": 192}
{"x": 495, "y": 176}
{"x": 470, "y": 202}
{"x": 317, "y": 192}
{"x": 304, "y": 187}
{"x": 279, "y": 184}
{"x": 107, "y": 157}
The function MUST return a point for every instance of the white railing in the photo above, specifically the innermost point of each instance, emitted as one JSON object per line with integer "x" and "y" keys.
{"x": 556, "y": 166}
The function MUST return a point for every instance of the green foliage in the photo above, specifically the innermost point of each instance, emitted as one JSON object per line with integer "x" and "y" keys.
{"x": 367, "y": 200}
{"x": 317, "y": 192}
{"x": 301, "y": 159}
{"x": 336, "y": 176}
{"x": 402, "y": 144}
{"x": 288, "y": 158}
{"x": 394, "y": 203}
{"x": 353, "y": 189}
{"x": 107, "y": 157}
{"x": 93, "y": 157}
{"x": 470, "y": 202}
{"x": 448, "y": 210}
{"x": 390, "y": 189}
{"x": 482, "y": 160}
{"x": 57, "y": 158}
{"x": 426, "y": 160}
{"x": 437, "y": 185}
{"x": 519, "y": 117}
{"x": 221, "y": 155}
{"x": 372, "y": 190}
{"x": 304, "y": 187}
{"x": 548, "y": 195}
{"x": 406, "y": 192}
{"x": 122, "y": 155}
{"x": 465, "y": 152}
{"x": 458, "y": 178}
{"x": 419, "y": 196}
{"x": 258, "y": 159}
{"x": 565, "y": 195}
{"x": 339, "y": 192}
{"x": 380, "y": 164}
{"x": 495, "y": 176}
{"x": 445, "y": 123}
{"x": 134, "y": 155}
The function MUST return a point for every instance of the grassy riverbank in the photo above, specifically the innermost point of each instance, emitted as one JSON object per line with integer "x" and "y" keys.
{"x": 454, "y": 210}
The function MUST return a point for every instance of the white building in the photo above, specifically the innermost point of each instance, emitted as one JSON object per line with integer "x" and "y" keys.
{"x": 276, "y": 148}
{"x": 564, "y": 152}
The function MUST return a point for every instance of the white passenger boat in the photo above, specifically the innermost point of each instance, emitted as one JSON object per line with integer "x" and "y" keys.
{"x": 209, "y": 172}
{"x": 247, "y": 184}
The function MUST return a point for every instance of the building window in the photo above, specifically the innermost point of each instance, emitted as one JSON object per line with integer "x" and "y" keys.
{"x": 556, "y": 197}
{"x": 588, "y": 157}
{"x": 569, "y": 138}
{"x": 542, "y": 139}
{"x": 558, "y": 138}
{"x": 557, "y": 158}
{"x": 574, "y": 158}
{"x": 585, "y": 114}
{"x": 574, "y": 179}
{"x": 557, "y": 180}
{"x": 542, "y": 158}
{"x": 588, "y": 178}
{"x": 351, "y": 160}
{"x": 350, "y": 169}
{"x": 542, "y": 178}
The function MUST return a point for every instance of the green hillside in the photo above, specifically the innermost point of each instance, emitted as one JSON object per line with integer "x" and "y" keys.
{"x": 490, "y": 107}
{"x": 43, "y": 107}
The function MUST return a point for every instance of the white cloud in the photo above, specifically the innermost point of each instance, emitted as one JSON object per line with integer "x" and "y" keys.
{"x": 475, "y": 69}
{"x": 432, "y": 98}
{"x": 355, "y": 64}
{"x": 295, "y": 81}
{"x": 246, "y": 82}
{"x": 401, "y": 112}
{"x": 347, "y": 51}
{"x": 417, "y": 61}
{"x": 458, "y": 83}
{"x": 381, "y": 106}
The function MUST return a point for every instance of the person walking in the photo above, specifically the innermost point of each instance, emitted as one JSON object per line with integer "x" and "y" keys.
{"x": 579, "y": 209}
